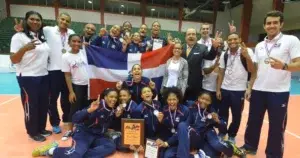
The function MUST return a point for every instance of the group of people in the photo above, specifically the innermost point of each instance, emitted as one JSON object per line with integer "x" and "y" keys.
{"x": 202, "y": 80}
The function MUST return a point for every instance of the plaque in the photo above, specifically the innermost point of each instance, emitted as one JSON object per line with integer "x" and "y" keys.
{"x": 132, "y": 132}
{"x": 151, "y": 149}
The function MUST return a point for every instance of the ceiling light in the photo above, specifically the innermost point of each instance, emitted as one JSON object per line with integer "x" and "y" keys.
{"x": 226, "y": 2}
{"x": 122, "y": 6}
{"x": 152, "y": 9}
{"x": 90, "y": 2}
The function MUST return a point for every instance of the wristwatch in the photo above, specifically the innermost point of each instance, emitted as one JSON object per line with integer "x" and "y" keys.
{"x": 285, "y": 66}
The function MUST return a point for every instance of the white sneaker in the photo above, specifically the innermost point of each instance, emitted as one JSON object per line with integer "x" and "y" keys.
{"x": 67, "y": 135}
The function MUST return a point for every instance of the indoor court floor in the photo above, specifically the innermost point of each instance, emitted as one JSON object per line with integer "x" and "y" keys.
{"x": 14, "y": 142}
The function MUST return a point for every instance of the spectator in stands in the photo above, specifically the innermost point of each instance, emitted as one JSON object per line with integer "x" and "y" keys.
{"x": 30, "y": 52}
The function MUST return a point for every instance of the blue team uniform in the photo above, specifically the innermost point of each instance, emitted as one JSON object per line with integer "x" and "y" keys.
{"x": 136, "y": 48}
{"x": 174, "y": 125}
{"x": 146, "y": 112}
{"x": 88, "y": 138}
{"x": 136, "y": 88}
{"x": 203, "y": 135}
{"x": 108, "y": 42}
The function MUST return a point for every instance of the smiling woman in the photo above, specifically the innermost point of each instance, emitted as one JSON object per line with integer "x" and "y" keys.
{"x": 30, "y": 53}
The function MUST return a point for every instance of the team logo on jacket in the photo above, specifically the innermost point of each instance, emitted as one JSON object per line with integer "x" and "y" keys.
{"x": 113, "y": 46}
{"x": 146, "y": 116}
{"x": 177, "y": 119}
{"x": 102, "y": 116}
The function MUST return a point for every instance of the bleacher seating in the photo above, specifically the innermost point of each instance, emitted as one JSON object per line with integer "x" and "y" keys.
{"x": 7, "y": 31}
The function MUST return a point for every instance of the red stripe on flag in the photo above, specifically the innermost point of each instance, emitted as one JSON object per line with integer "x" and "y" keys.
{"x": 97, "y": 86}
{"x": 158, "y": 57}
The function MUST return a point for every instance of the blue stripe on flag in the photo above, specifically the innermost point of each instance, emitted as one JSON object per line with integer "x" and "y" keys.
{"x": 106, "y": 58}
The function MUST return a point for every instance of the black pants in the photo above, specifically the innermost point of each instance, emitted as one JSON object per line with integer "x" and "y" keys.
{"x": 34, "y": 96}
{"x": 81, "y": 99}
{"x": 58, "y": 86}
{"x": 235, "y": 101}
{"x": 276, "y": 103}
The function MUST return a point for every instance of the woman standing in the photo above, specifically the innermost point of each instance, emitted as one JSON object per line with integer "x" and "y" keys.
{"x": 30, "y": 52}
{"x": 176, "y": 70}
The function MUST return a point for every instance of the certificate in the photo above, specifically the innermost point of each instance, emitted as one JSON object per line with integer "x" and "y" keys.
{"x": 132, "y": 132}
{"x": 157, "y": 43}
{"x": 151, "y": 149}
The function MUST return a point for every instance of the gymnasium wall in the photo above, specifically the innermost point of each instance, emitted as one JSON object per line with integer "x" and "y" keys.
{"x": 109, "y": 18}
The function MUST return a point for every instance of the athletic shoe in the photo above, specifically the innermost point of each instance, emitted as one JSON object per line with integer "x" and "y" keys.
{"x": 67, "y": 135}
{"x": 56, "y": 129}
{"x": 248, "y": 150}
{"x": 38, "y": 138}
{"x": 43, "y": 150}
{"x": 221, "y": 137}
{"x": 236, "y": 150}
{"x": 231, "y": 140}
{"x": 46, "y": 133}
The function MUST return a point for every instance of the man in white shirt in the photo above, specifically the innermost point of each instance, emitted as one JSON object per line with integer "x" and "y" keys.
{"x": 235, "y": 64}
{"x": 210, "y": 67}
{"x": 275, "y": 58}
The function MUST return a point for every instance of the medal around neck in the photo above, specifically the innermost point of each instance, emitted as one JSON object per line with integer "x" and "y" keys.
{"x": 267, "y": 61}
{"x": 209, "y": 116}
{"x": 63, "y": 50}
{"x": 173, "y": 130}
{"x": 156, "y": 112}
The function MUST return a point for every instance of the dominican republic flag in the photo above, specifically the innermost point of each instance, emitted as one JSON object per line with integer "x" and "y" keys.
{"x": 107, "y": 67}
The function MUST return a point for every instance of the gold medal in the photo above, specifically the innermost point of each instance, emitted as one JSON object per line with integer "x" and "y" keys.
{"x": 63, "y": 50}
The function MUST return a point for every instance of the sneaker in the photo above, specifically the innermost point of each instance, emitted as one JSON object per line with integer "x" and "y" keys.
{"x": 247, "y": 150}
{"x": 43, "y": 150}
{"x": 67, "y": 135}
{"x": 221, "y": 137}
{"x": 237, "y": 151}
{"x": 56, "y": 129}
{"x": 38, "y": 138}
{"x": 46, "y": 133}
{"x": 231, "y": 140}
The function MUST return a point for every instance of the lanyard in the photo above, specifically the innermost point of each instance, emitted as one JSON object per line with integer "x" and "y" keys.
{"x": 129, "y": 106}
{"x": 104, "y": 106}
{"x": 199, "y": 111}
{"x": 172, "y": 120}
{"x": 63, "y": 39}
{"x": 152, "y": 106}
{"x": 270, "y": 50}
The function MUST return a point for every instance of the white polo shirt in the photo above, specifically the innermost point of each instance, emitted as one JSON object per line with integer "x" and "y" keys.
{"x": 34, "y": 62}
{"x": 77, "y": 65}
{"x": 235, "y": 78}
{"x": 207, "y": 42}
{"x": 210, "y": 80}
{"x": 55, "y": 43}
{"x": 273, "y": 80}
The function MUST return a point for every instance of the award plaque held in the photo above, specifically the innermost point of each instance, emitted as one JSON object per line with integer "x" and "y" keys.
{"x": 132, "y": 132}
